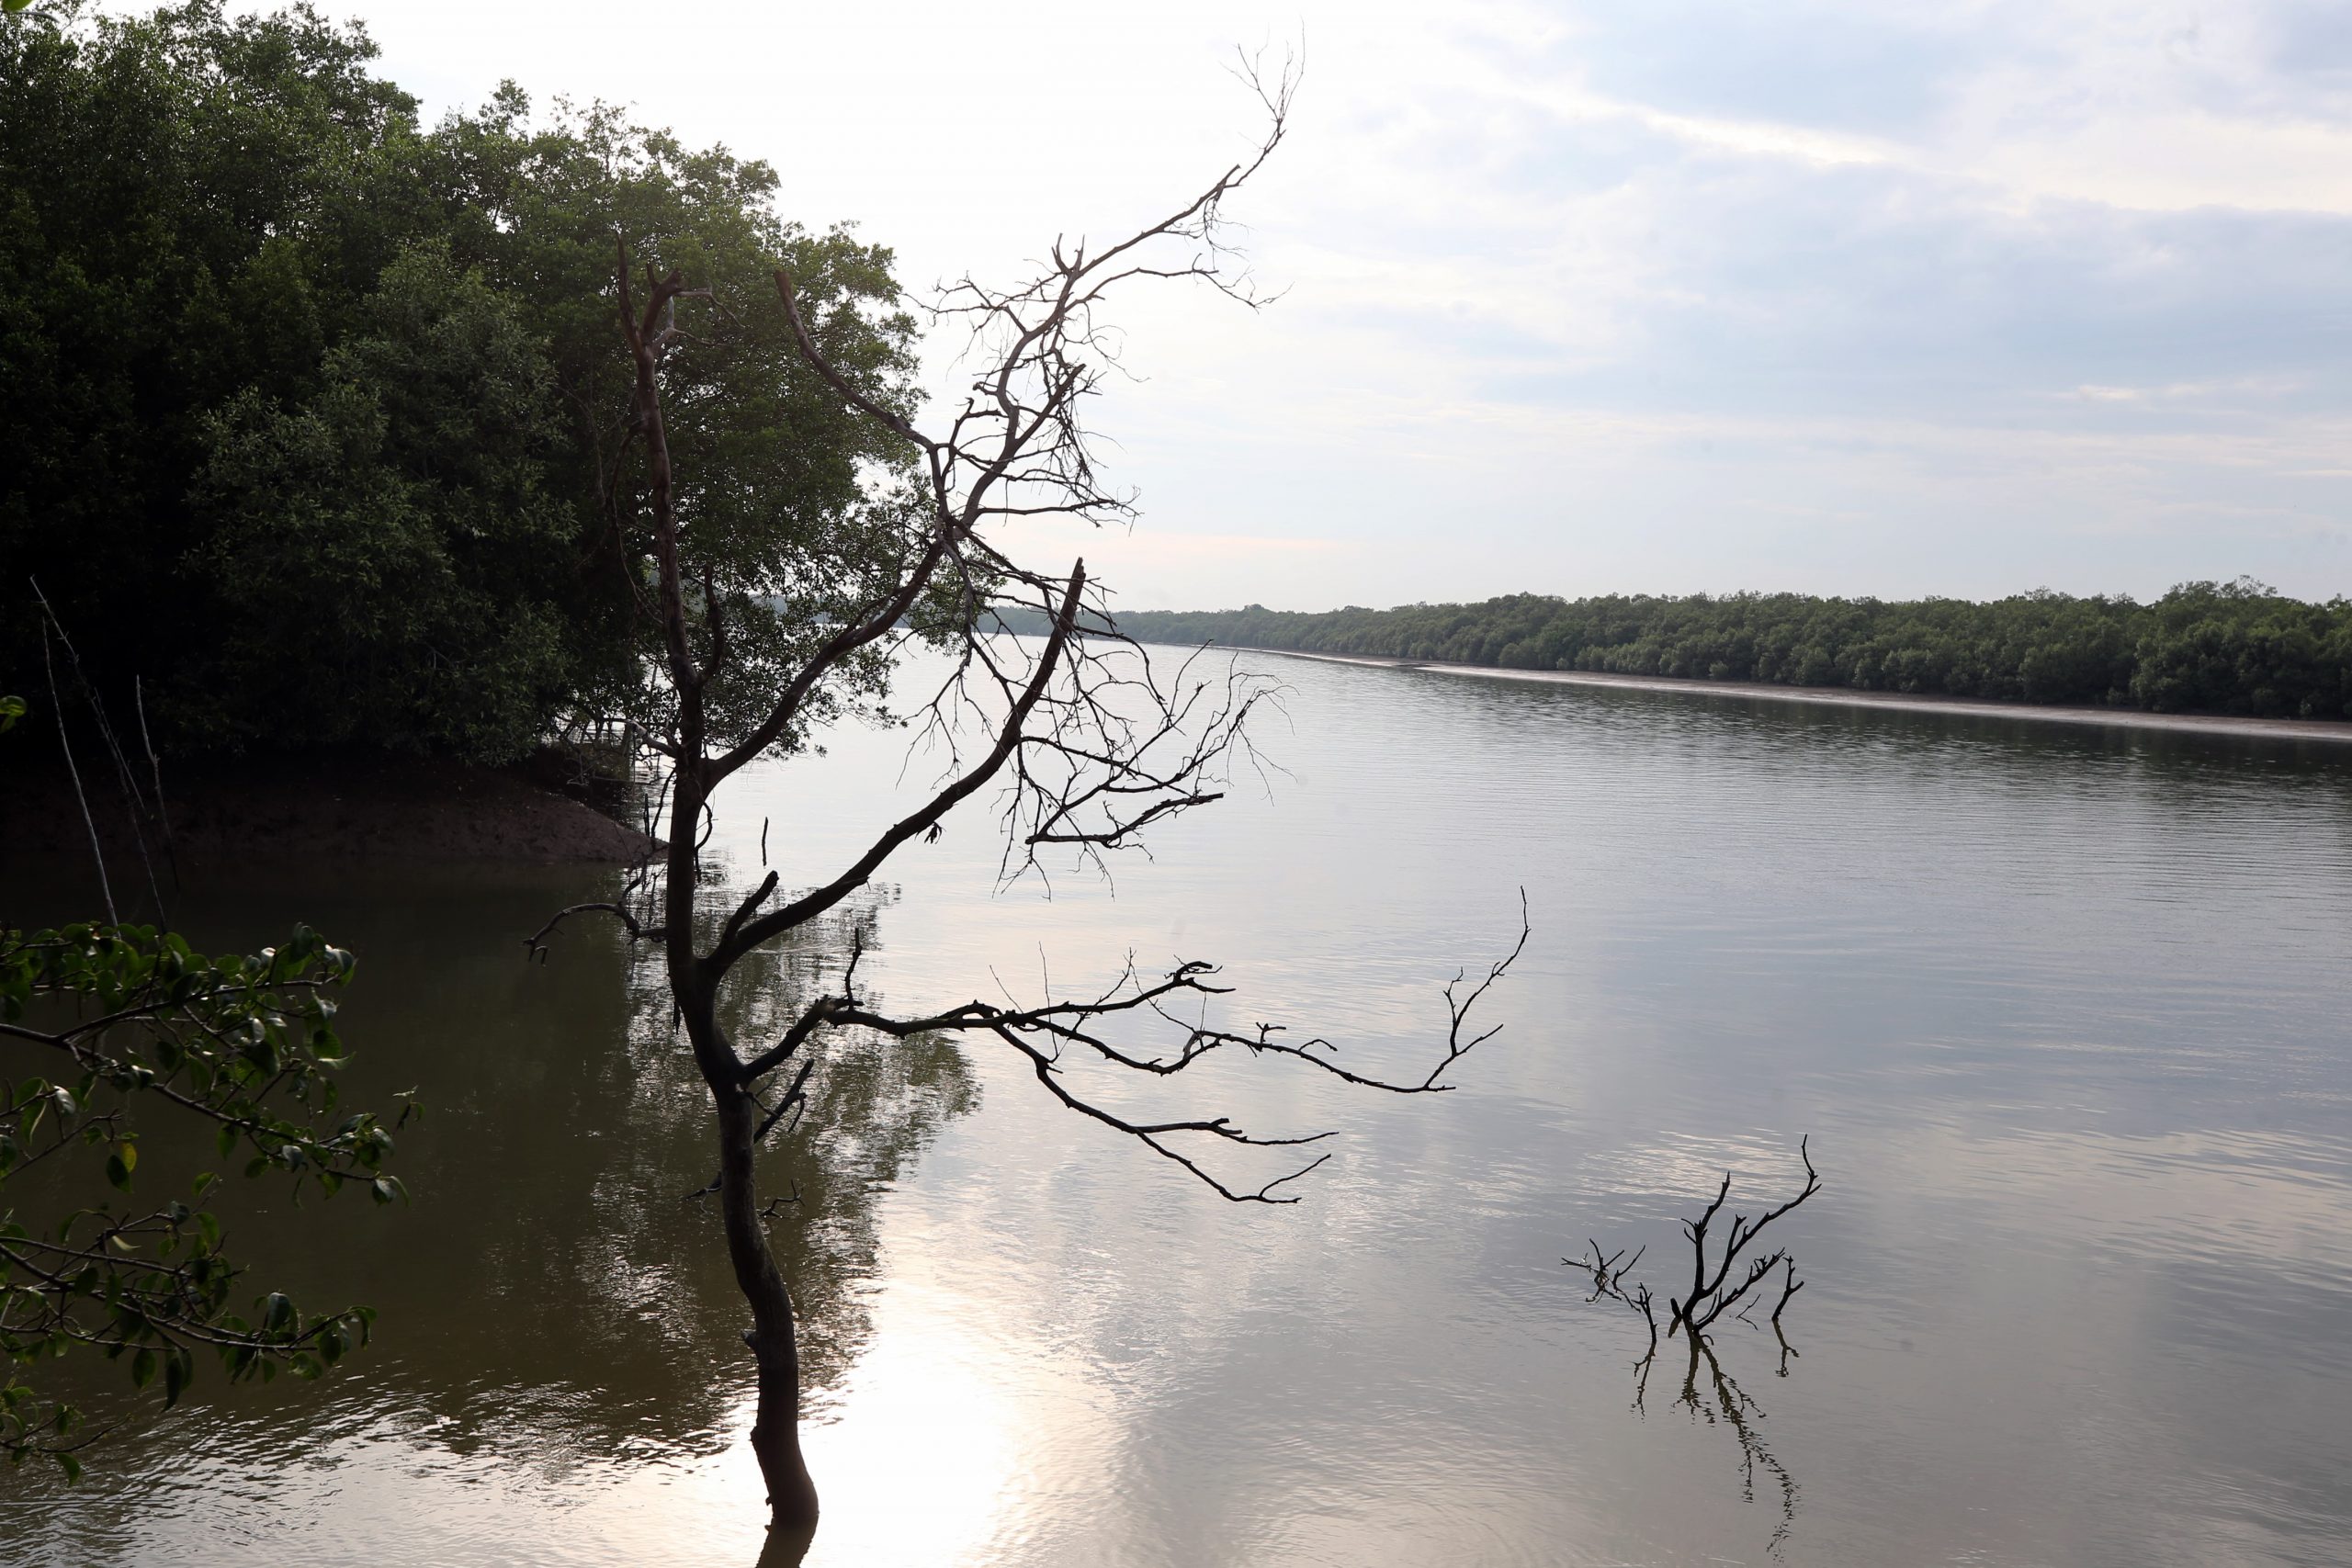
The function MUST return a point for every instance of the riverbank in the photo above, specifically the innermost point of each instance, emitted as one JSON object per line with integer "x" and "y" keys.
{"x": 319, "y": 811}
{"x": 2203, "y": 647}
{"x": 2326, "y": 732}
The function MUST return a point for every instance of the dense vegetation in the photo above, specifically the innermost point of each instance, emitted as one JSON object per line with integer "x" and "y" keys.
{"x": 311, "y": 405}
{"x": 2234, "y": 648}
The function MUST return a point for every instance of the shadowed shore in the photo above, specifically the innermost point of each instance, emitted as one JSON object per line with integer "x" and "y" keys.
{"x": 318, "y": 810}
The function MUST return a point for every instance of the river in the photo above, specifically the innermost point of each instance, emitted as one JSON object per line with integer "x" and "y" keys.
{"x": 2063, "y": 1013}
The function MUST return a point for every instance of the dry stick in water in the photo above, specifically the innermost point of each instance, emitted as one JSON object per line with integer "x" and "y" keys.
{"x": 134, "y": 803}
{"x": 1713, "y": 1291}
{"x": 106, "y": 890}
{"x": 1710, "y": 1298}
{"x": 155, "y": 768}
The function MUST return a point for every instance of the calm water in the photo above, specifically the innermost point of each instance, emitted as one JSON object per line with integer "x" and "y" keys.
{"x": 2064, "y": 1012}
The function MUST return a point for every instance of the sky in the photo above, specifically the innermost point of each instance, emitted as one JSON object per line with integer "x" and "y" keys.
{"x": 1665, "y": 296}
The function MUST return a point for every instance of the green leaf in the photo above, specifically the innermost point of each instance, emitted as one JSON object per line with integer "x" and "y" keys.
{"x": 142, "y": 1367}
{"x": 66, "y": 1462}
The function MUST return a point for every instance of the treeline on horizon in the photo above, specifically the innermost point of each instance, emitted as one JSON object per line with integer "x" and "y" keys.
{"x": 2221, "y": 647}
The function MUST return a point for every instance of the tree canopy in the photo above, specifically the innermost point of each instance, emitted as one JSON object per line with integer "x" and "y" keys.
{"x": 316, "y": 404}
{"x": 2232, "y": 648}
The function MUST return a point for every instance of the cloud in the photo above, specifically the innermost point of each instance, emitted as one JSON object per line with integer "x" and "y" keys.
{"x": 1830, "y": 294}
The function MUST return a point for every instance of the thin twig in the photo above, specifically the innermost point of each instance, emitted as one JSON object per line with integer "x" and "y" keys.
{"x": 106, "y": 889}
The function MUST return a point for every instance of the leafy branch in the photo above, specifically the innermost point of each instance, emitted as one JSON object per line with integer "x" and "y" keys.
{"x": 123, "y": 1013}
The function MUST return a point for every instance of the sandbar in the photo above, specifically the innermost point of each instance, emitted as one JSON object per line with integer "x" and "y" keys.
{"x": 2324, "y": 731}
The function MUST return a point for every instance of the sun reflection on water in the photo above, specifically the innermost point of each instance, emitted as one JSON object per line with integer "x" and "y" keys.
{"x": 937, "y": 1443}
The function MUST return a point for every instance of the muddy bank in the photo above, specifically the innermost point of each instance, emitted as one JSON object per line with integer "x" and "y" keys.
{"x": 317, "y": 810}
{"x": 2321, "y": 729}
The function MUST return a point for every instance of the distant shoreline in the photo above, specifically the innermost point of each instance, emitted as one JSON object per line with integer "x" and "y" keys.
{"x": 2327, "y": 731}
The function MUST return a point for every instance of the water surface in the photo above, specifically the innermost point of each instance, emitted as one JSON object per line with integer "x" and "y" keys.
{"x": 2062, "y": 1012}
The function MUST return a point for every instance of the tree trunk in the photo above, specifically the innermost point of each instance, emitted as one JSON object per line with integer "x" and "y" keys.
{"x": 775, "y": 1430}
{"x": 694, "y": 979}
{"x": 775, "y": 1427}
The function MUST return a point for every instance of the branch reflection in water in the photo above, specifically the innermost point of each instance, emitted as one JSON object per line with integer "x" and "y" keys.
{"x": 1733, "y": 1407}
{"x": 850, "y": 1125}
{"x": 842, "y": 1129}
{"x": 1715, "y": 1292}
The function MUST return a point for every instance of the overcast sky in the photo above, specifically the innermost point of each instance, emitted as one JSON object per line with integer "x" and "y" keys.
{"x": 1860, "y": 297}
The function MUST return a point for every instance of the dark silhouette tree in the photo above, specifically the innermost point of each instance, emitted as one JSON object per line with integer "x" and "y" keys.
{"x": 1087, "y": 742}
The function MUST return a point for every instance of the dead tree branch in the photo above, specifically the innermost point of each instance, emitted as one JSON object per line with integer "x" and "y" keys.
{"x": 1713, "y": 1289}
{"x": 1089, "y": 742}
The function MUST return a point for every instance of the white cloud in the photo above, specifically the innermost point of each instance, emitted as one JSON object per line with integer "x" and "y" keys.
{"x": 1604, "y": 295}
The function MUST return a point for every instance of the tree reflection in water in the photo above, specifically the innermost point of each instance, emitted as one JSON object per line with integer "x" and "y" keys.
{"x": 554, "y": 1311}
{"x": 1720, "y": 1400}
{"x": 869, "y": 1104}
{"x": 872, "y": 1105}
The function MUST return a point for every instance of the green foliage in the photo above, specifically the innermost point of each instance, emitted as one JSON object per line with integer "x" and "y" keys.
{"x": 133, "y": 1016}
{"x": 314, "y": 407}
{"x": 2235, "y": 648}
{"x": 389, "y": 555}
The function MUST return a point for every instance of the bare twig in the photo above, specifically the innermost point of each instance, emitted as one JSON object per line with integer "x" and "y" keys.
{"x": 1710, "y": 1295}
{"x": 1041, "y": 1033}
{"x": 1713, "y": 1292}
{"x": 536, "y": 946}
{"x": 134, "y": 801}
{"x": 155, "y": 770}
{"x": 98, "y": 855}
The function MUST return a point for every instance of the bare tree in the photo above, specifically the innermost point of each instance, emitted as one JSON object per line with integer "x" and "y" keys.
{"x": 1715, "y": 1290}
{"x": 1088, "y": 741}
